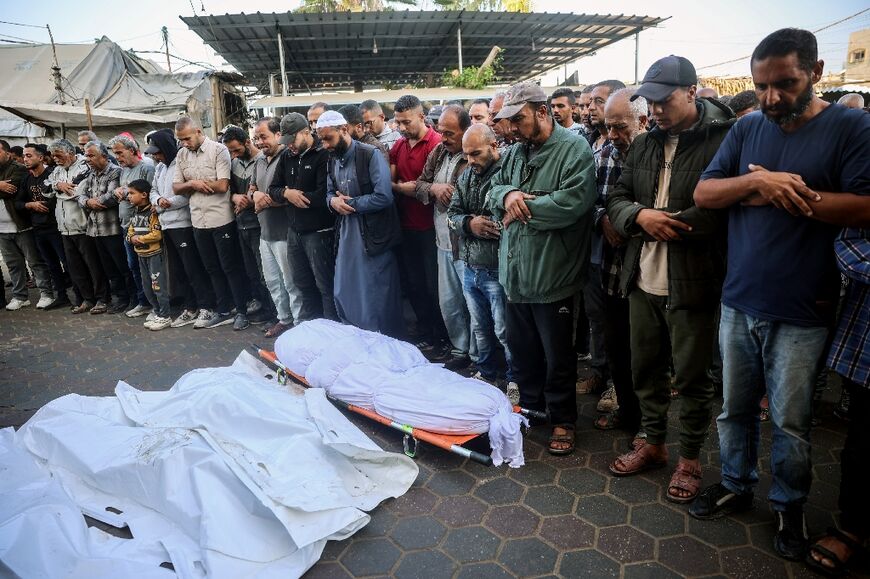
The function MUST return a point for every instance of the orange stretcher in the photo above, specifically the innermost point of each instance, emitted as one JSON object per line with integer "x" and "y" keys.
{"x": 448, "y": 442}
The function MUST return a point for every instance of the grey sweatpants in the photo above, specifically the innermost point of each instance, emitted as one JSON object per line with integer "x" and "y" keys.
{"x": 153, "y": 270}
{"x": 19, "y": 250}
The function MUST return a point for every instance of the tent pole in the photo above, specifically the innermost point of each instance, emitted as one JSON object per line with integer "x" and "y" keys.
{"x": 459, "y": 46}
{"x": 88, "y": 112}
{"x": 636, "y": 53}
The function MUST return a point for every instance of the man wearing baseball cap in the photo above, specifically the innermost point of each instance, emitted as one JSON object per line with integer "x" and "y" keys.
{"x": 673, "y": 267}
{"x": 543, "y": 195}
{"x": 300, "y": 182}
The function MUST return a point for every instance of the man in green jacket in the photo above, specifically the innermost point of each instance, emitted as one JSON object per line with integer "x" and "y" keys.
{"x": 673, "y": 267}
{"x": 544, "y": 194}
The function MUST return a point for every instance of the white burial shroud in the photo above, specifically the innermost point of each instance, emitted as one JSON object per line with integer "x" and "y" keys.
{"x": 394, "y": 379}
{"x": 224, "y": 475}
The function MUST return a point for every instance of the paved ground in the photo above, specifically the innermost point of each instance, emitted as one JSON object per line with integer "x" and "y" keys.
{"x": 555, "y": 517}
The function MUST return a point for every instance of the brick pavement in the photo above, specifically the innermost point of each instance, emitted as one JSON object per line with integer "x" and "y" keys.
{"x": 554, "y": 517}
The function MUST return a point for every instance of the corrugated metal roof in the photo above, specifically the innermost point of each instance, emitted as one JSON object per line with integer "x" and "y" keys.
{"x": 335, "y": 50}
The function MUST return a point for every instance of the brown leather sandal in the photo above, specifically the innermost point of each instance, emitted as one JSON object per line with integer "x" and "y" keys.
{"x": 561, "y": 439}
{"x": 636, "y": 461}
{"x": 686, "y": 478}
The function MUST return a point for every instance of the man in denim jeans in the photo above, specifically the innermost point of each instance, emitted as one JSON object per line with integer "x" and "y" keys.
{"x": 791, "y": 176}
{"x": 479, "y": 233}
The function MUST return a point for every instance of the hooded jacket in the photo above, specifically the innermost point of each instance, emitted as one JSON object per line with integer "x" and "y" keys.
{"x": 177, "y": 215}
{"x": 696, "y": 263}
{"x": 469, "y": 199}
{"x": 14, "y": 173}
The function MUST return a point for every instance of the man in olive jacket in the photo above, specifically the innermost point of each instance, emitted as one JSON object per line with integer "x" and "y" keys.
{"x": 673, "y": 267}
{"x": 544, "y": 194}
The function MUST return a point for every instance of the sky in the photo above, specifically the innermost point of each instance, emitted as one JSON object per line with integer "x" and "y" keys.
{"x": 706, "y": 33}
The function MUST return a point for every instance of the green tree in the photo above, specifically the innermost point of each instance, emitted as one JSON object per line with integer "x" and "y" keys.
{"x": 352, "y": 5}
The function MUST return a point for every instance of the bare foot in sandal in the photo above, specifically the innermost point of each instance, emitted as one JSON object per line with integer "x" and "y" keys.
{"x": 646, "y": 457}
{"x": 561, "y": 440}
{"x": 686, "y": 481}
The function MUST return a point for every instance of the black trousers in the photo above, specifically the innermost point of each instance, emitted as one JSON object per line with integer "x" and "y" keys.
{"x": 250, "y": 247}
{"x": 113, "y": 257}
{"x": 191, "y": 278}
{"x": 419, "y": 272}
{"x": 312, "y": 261}
{"x": 50, "y": 246}
{"x": 222, "y": 257}
{"x": 854, "y": 501}
{"x": 543, "y": 358}
{"x": 85, "y": 268}
{"x": 617, "y": 343}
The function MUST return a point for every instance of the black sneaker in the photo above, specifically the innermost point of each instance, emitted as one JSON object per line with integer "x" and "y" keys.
{"x": 456, "y": 363}
{"x": 260, "y": 317}
{"x": 220, "y": 319}
{"x": 240, "y": 322}
{"x": 117, "y": 308}
{"x": 791, "y": 540}
{"x": 716, "y": 501}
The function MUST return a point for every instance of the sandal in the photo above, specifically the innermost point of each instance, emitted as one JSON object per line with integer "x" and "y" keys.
{"x": 686, "y": 478}
{"x": 608, "y": 421}
{"x": 764, "y": 411}
{"x": 561, "y": 439}
{"x": 840, "y": 566}
{"x": 636, "y": 461}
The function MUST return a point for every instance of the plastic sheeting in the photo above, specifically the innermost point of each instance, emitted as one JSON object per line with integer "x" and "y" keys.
{"x": 394, "y": 379}
{"x": 225, "y": 475}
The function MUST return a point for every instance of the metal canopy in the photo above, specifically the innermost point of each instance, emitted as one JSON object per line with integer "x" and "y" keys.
{"x": 340, "y": 50}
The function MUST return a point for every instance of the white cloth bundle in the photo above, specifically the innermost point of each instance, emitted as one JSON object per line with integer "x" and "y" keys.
{"x": 394, "y": 379}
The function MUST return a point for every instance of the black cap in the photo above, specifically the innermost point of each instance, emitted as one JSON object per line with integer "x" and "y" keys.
{"x": 664, "y": 76}
{"x": 290, "y": 125}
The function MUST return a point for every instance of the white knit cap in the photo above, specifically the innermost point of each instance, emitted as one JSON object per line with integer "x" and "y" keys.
{"x": 330, "y": 119}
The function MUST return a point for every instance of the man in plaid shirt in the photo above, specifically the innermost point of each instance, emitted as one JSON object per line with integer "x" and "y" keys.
{"x": 850, "y": 358}
{"x": 623, "y": 120}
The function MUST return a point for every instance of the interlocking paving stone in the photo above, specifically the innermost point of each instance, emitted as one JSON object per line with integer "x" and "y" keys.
{"x": 723, "y": 532}
{"x": 417, "y": 501}
{"x": 500, "y": 491}
{"x": 327, "y": 571}
{"x": 658, "y": 520}
{"x": 602, "y": 511}
{"x": 418, "y": 532}
{"x": 512, "y": 521}
{"x": 633, "y": 490}
{"x": 370, "y": 557}
{"x": 688, "y": 556}
{"x": 425, "y": 565}
{"x": 450, "y": 482}
{"x": 382, "y": 520}
{"x": 567, "y": 532}
{"x": 534, "y": 473}
{"x": 588, "y": 563}
{"x": 752, "y": 564}
{"x": 483, "y": 571}
{"x": 460, "y": 511}
{"x": 582, "y": 481}
{"x": 648, "y": 571}
{"x": 550, "y": 500}
{"x": 626, "y": 544}
{"x": 526, "y": 557}
{"x": 471, "y": 544}
{"x": 333, "y": 550}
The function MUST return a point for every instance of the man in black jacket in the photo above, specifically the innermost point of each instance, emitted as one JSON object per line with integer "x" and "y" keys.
{"x": 300, "y": 180}
{"x": 673, "y": 267}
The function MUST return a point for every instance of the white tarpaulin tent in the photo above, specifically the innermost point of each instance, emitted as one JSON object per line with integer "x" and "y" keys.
{"x": 124, "y": 92}
{"x": 225, "y": 475}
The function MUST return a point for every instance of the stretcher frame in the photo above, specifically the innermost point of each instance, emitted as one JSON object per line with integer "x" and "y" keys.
{"x": 412, "y": 435}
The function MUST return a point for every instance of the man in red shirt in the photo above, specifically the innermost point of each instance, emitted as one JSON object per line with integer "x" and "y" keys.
{"x": 418, "y": 253}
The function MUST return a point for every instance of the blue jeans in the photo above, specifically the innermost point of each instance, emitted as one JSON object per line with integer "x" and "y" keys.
{"x": 785, "y": 359}
{"x": 485, "y": 298}
{"x": 453, "y": 308}
{"x": 133, "y": 264}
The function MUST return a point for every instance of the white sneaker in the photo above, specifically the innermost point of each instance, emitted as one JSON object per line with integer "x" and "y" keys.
{"x": 186, "y": 318}
{"x": 513, "y": 393}
{"x": 16, "y": 304}
{"x": 139, "y": 310}
{"x": 44, "y": 301}
{"x": 151, "y": 316}
{"x": 160, "y": 323}
{"x": 204, "y": 319}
